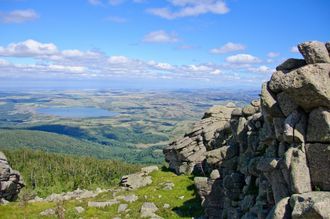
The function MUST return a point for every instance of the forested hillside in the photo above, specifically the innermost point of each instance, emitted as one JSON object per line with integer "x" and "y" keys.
{"x": 49, "y": 173}
{"x": 51, "y": 142}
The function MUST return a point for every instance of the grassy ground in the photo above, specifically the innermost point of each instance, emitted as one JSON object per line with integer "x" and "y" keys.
{"x": 186, "y": 207}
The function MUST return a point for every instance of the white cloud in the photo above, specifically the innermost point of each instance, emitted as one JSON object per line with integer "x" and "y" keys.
{"x": 261, "y": 69}
{"x": 228, "y": 47}
{"x": 215, "y": 72}
{"x": 200, "y": 68}
{"x": 48, "y": 61}
{"x": 160, "y": 36}
{"x": 186, "y": 8}
{"x": 294, "y": 49}
{"x": 273, "y": 54}
{"x": 18, "y": 16}
{"x": 161, "y": 65}
{"x": 28, "y": 48}
{"x": 3, "y": 62}
{"x": 118, "y": 59}
{"x": 72, "y": 53}
{"x": 242, "y": 59}
{"x": 73, "y": 69}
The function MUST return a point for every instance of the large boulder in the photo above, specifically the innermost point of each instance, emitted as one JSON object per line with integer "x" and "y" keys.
{"x": 268, "y": 102}
{"x": 318, "y": 156}
{"x": 186, "y": 154}
{"x": 10, "y": 181}
{"x": 282, "y": 210}
{"x": 308, "y": 86}
{"x": 318, "y": 129}
{"x": 291, "y": 64}
{"x": 312, "y": 205}
{"x": 286, "y": 103}
{"x": 314, "y": 52}
{"x": 139, "y": 179}
{"x": 298, "y": 171}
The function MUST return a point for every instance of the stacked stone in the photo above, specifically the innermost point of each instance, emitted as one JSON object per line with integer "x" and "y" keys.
{"x": 275, "y": 163}
{"x": 10, "y": 181}
{"x": 187, "y": 154}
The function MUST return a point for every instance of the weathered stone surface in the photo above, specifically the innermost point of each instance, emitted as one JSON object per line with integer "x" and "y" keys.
{"x": 318, "y": 129}
{"x": 318, "y": 156}
{"x": 276, "y": 81}
{"x": 214, "y": 174}
{"x": 295, "y": 127}
{"x": 136, "y": 180}
{"x": 149, "y": 169}
{"x": 299, "y": 176}
{"x": 237, "y": 112}
{"x": 279, "y": 127}
{"x": 308, "y": 86}
{"x": 279, "y": 151}
{"x": 102, "y": 204}
{"x": 314, "y": 52}
{"x": 255, "y": 103}
{"x": 186, "y": 154}
{"x": 282, "y": 210}
{"x": 122, "y": 208}
{"x": 268, "y": 102}
{"x": 312, "y": 205}
{"x": 203, "y": 187}
{"x": 249, "y": 110}
{"x": 291, "y": 64}
{"x": 287, "y": 105}
{"x": 10, "y": 180}
{"x": 148, "y": 209}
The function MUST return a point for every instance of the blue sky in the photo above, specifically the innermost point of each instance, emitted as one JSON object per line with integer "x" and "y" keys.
{"x": 153, "y": 43}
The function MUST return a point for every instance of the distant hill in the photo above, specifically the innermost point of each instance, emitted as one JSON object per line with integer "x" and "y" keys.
{"x": 51, "y": 142}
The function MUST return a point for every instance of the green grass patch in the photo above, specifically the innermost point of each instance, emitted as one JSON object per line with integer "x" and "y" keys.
{"x": 186, "y": 207}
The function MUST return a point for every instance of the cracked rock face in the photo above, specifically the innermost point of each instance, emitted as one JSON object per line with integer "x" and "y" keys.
{"x": 272, "y": 157}
{"x": 10, "y": 181}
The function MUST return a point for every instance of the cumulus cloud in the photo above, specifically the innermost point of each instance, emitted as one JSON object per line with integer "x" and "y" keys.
{"x": 118, "y": 60}
{"x": 18, "y": 16}
{"x": 294, "y": 49}
{"x": 228, "y": 47}
{"x": 273, "y": 54}
{"x": 52, "y": 62}
{"x": 186, "y": 8}
{"x": 28, "y": 48}
{"x": 261, "y": 69}
{"x": 160, "y": 36}
{"x": 73, "y": 69}
{"x": 242, "y": 59}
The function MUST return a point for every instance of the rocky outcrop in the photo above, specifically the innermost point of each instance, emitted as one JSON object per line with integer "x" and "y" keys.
{"x": 10, "y": 181}
{"x": 186, "y": 154}
{"x": 272, "y": 157}
{"x": 139, "y": 179}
